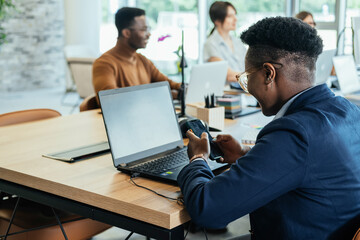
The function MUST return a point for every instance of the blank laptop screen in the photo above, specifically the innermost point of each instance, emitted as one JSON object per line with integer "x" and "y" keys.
{"x": 346, "y": 73}
{"x": 324, "y": 64}
{"x": 140, "y": 121}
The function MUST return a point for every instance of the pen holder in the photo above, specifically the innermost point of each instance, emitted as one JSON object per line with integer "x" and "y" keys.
{"x": 214, "y": 117}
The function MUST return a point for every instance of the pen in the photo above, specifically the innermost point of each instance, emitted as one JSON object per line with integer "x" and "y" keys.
{"x": 207, "y": 101}
{"x": 212, "y": 100}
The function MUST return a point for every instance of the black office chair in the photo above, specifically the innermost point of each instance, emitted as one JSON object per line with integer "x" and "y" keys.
{"x": 89, "y": 103}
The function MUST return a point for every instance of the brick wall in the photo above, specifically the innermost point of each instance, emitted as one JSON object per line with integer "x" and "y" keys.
{"x": 33, "y": 57}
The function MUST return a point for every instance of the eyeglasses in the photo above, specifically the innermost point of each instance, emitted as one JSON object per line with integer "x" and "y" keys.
{"x": 145, "y": 29}
{"x": 243, "y": 80}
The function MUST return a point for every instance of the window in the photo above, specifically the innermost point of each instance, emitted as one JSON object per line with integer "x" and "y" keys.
{"x": 322, "y": 10}
{"x": 353, "y": 10}
{"x": 108, "y": 31}
{"x": 325, "y": 18}
{"x": 167, "y": 19}
{"x": 249, "y": 12}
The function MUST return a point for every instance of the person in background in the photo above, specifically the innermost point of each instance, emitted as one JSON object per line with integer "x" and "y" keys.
{"x": 221, "y": 45}
{"x": 301, "y": 180}
{"x": 306, "y": 17}
{"x": 122, "y": 66}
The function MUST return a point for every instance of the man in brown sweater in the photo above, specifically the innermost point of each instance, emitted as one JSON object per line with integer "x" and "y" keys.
{"x": 122, "y": 66}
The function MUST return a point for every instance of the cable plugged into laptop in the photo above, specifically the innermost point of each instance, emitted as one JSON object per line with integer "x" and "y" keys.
{"x": 134, "y": 175}
{"x": 179, "y": 200}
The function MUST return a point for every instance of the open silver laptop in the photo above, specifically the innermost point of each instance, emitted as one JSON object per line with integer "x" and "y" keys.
{"x": 346, "y": 73}
{"x": 143, "y": 131}
{"x": 206, "y": 79}
{"x": 348, "y": 78}
{"x": 324, "y": 65}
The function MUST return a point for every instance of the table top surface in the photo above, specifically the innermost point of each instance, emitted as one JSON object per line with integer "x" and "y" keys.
{"x": 93, "y": 181}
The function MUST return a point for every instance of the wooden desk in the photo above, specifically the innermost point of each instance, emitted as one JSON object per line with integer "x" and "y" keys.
{"x": 92, "y": 188}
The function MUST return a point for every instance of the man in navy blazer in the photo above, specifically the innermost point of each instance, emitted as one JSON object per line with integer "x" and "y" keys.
{"x": 301, "y": 180}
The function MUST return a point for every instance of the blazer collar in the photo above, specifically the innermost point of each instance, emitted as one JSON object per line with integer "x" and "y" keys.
{"x": 315, "y": 94}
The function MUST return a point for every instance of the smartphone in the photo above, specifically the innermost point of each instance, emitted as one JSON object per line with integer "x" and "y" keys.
{"x": 198, "y": 128}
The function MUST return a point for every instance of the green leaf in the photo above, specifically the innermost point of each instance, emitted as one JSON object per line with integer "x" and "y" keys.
{"x": 6, "y": 8}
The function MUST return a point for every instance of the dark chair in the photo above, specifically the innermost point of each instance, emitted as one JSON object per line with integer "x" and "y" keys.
{"x": 89, "y": 103}
{"x": 36, "y": 220}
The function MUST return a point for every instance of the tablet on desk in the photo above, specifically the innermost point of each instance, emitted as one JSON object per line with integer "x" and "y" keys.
{"x": 80, "y": 153}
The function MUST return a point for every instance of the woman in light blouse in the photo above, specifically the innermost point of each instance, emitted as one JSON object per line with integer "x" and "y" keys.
{"x": 221, "y": 45}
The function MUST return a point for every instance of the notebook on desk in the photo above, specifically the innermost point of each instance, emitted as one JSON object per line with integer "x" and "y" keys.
{"x": 143, "y": 131}
{"x": 348, "y": 78}
{"x": 80, "y": 153}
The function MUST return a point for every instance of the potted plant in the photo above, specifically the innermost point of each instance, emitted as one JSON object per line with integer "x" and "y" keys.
{"x": 5, "y": 9}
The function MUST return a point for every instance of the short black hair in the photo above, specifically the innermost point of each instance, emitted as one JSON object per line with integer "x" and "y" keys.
{"x": 274, "y": 38}
{"x": 124, "y": 17}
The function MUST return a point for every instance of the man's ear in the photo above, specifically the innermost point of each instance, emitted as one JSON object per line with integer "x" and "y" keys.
{"x": 270, "y": 72}
{"x": 126, "y": 33}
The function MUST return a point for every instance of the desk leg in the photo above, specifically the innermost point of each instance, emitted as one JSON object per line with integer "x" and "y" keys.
{"x": 139, "y": 227}
{"x": 111, "y": 218}
{"x": 59, "y": 222}
{"x": 177, "y": 233}
{"x": 12, "y": 217}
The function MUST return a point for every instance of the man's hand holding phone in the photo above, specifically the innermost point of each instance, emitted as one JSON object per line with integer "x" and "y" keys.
{"x": 231, "y": 148}
{"x": 196, "y": 126}
{"x": 198, "y": 146}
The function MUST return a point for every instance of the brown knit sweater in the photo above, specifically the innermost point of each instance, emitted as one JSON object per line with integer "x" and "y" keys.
{"x": 122, "y": 66}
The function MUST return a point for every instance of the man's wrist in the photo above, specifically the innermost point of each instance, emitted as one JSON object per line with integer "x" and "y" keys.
{"x": 196, "y": 156}
{"x": 245, "y": 150}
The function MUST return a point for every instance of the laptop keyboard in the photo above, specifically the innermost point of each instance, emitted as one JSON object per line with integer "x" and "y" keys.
{"x": 164, "y": 164}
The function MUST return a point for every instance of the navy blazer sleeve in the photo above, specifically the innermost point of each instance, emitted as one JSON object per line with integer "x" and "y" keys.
{"x": 275, "y": 165}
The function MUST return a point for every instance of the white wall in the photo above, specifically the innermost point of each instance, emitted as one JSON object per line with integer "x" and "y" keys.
{"x": 82, "y": 23}
{"x": 33, "y": 57}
